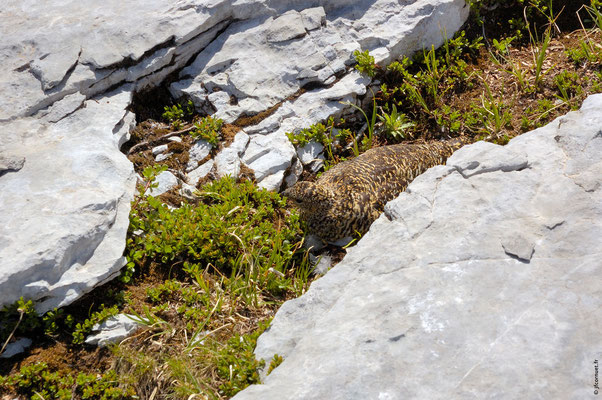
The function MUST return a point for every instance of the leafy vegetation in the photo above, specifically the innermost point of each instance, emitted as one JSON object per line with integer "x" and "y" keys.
{"x": 83, "y": 328}
{"x": 326, "y": 134}
{"x": 208, "y": 128}
{"x": 256, "y": 235}
{"x": 37, "y": 382}
{"x": 395, "y": 124}
{"x": 365, "y": 63}
{"x": 233, "y": 252}
{"x": 177, "y": 113}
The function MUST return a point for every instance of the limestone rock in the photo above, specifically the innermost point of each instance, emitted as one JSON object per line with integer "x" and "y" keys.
{"x": 273, "y": 182}
{"x": 240, "y": 142}
{"x": 484, "y": 157}
{"x": 165, "y": 181}
{"x": 65, "y": 211}
{"x": 113, "y": 330}
{"x": 159, "y": 149}
{"x": 295, "y": 173}
{"x": 288, "y": 26}
{"x": 269, "y": 154}
{"x": 310, "y": 152}
{"x": 219, "y": 100}
{"x": 313, "y": 18}
{"x": 85, "y": 52}
{"x": 237, "y": 70}
{"x": 471, "y": 285}
{"x": 187, "y": 191}
{"x": 200, "y": 172}
{"x": 227, "y": 163}
{"x": 9, "y": 163}
{"x": 163, "y": 157}
{"x": 197, "y": 153}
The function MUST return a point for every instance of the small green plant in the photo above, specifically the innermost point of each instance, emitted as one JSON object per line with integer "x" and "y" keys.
{"x": 236, "y": 363}
{"x": 365, "y": 63}
{"x": 232, "y": 363}
{"x": 395, "y": 124}
{"x": 17, "y": 318}
{"x": 422, "y": 84}
{"x": 596, "y": 82}
{"x": 569, "y": 87}
{"x": 325, "y": 134}
{"x": 540, "y": 55}
{"x": 149, "y": 173}
{"x": 55, "y": 319}
{"x": 85, "y": 327}
{"x": 368, "y": 141}
{"x": 594, "y": 11}
{"x": 208, "y": 128}
{"x": 276, "y": 361}
{"x": 176, "y": 113}
{"x": 173, "y": 113}
{"x": 318, "y": 132}
{"x": 502, "y": 57}
{"x": 148, "y": 318}
{"x": 447, "y": 119}
{"x": 235, "y": 228}
{"x": 588, "y": 50}
{"x": 490, "y": 116}
{"x": 534, "y": 117}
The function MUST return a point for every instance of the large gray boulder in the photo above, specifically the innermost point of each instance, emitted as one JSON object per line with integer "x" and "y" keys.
{"x": 69, "y": 69}
{"x": 64, "y": 212}
{"x": 481, "y": 281}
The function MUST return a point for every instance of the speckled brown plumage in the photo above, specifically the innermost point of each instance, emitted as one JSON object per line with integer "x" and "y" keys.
{"x": 348, "y": 197}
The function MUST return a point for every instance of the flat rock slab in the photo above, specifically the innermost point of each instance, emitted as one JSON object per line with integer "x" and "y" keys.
{"x": 470, "y": 286}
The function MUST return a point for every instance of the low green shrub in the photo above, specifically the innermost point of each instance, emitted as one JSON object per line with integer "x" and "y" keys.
{"x": 177, "y": 113}
{"x": 208, "y": 128}
{"x": 365, "y": 63}
{"x": 36, "y": 381}
{"x": 236, "y": 228}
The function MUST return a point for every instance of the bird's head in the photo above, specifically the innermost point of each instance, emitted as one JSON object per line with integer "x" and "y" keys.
{"x": 309, "y": 196}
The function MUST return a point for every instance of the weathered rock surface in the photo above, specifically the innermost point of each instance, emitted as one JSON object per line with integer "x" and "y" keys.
{"x": 480, "y": 281}
{"x": 67, "y": 84}
{"x": 199, "y": 150}
{"x": 200, "y": 172}
{"x": 230, "y": 77}
{"x": 113, "y": 330}
{"x": 64, "y": 213}
{"x": 165, "y": 181}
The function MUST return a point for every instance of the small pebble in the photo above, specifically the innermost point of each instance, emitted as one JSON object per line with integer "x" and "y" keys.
{"x": 159, "y": 149}
{"x": 163, "y": 156}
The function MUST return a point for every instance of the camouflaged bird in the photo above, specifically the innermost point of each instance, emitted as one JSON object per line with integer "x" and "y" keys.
{"x": 348, "y": 197}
